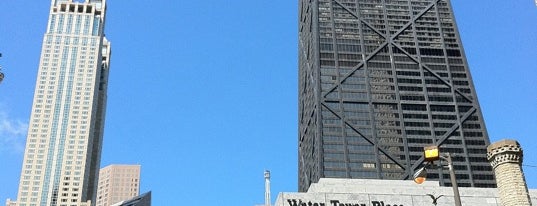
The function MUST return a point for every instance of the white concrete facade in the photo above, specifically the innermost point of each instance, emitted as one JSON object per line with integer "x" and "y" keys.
{"x": 369, "y": 192}
{"x": 64, "y": 141}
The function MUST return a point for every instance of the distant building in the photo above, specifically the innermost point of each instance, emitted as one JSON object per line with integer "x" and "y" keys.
{"x": 142, "y": 200}
{"x": 118, "y": 183}
{"x": 367, "y": 192}
{"x": 10, "y": 202}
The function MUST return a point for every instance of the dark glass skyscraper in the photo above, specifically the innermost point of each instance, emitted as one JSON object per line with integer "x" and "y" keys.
{"x": 378, "y": 81}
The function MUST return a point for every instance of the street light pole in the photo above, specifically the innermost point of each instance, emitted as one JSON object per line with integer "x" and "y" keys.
{"x": 456, "y": 194}
{"x": 432, "y": 154}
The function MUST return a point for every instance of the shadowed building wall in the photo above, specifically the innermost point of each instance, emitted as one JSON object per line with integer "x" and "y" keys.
{"x": 378, "y": 81}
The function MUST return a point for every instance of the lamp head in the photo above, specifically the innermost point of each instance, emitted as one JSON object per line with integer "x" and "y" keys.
{"x": 431, "y": 153}
{"x": 420, "y": 176}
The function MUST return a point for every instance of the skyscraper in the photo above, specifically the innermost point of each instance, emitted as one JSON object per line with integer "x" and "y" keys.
{"x": 63, "y": 148}
{"x": 118, "y": 183}
{"x": 378, "y": 81}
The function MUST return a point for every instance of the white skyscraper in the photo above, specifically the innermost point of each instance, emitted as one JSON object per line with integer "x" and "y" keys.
{"x": 63, "y": 148}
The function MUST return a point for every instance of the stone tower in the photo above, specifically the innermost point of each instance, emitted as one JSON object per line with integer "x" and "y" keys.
{"x": 505, "y": 156}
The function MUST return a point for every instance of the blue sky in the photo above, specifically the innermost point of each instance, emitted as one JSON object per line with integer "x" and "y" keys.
{"x": 203, "y": 94}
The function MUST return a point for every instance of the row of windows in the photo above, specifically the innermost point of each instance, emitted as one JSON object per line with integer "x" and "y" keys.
{"x": 67, "y": 40}
{"x": 363, "y": 111}
{"x": 390, "y": 130}
{"x": 57, "y": 24}
{"x": 358, "y": 165}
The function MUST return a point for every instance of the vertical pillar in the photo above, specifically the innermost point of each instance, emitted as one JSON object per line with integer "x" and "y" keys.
{"x": 505, "y": 156}
{"x": 267, "y": 188}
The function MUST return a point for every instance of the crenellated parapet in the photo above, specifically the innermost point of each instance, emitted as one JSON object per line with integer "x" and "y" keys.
{"x": 505, "y": 151}
{"x": 505, "y": 157}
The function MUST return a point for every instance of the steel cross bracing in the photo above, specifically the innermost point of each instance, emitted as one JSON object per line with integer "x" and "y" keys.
{"x": 389, "y": 40}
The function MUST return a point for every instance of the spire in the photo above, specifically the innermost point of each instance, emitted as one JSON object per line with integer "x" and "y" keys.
{"x": 267, "y": 188}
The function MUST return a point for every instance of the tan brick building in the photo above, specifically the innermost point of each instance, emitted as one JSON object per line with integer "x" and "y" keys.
{"x": 118, "y": 183}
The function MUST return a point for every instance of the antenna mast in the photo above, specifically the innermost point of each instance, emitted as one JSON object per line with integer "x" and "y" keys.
{"x": 1, "y": 74}
{"x": 267, "y": 188}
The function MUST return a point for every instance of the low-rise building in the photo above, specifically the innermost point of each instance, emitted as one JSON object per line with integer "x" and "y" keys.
{"x": 369, "y": 192}
{"x": 10, "y": 202}
{"x": 142, "y": 200}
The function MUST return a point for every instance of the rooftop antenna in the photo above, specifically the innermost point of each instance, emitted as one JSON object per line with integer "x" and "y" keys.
{"x": 267, "y": 188}
{"x": 1, "y": 74}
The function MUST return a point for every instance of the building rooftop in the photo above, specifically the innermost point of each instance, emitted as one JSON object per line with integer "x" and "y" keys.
{"x": 373, "y": 192}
